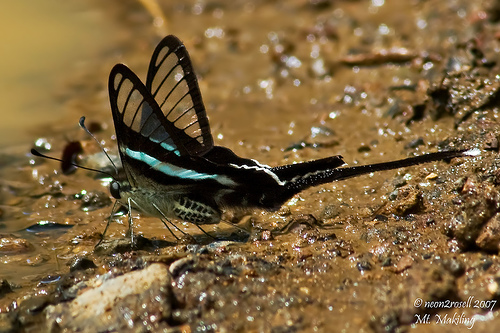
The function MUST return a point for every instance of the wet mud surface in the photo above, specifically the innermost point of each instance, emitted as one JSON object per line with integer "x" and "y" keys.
{"x": 415, "y": 248}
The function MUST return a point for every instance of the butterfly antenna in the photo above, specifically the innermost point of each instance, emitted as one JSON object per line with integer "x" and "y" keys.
{"x": 81, "y": 122}
{"x": 38, "y": 154}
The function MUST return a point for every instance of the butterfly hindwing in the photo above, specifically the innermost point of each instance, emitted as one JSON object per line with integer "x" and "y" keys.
{"x": 173, "y": 84}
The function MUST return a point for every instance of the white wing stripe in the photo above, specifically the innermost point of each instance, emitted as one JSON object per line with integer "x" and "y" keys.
{"x": 258, "y": 168}
{"x": 175, "y": 171}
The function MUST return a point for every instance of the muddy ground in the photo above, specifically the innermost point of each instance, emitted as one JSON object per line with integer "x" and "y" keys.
{"x": 283, "y": 82}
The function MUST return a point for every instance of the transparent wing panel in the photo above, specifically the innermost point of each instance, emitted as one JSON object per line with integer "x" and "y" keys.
{"x": 174, "y": 86}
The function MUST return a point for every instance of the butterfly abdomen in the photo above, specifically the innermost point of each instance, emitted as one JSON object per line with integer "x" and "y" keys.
{"x": 195, "y": 211}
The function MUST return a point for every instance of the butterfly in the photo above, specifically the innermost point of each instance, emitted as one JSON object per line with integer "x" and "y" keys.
{"x": 172, "y": 167}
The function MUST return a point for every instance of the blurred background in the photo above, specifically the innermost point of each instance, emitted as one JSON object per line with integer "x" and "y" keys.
{"x": 43, "y": 42}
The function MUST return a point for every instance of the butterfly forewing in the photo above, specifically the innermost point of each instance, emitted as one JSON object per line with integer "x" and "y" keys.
{"x": 174, "y": 86}
{"x": 129, "y": 101}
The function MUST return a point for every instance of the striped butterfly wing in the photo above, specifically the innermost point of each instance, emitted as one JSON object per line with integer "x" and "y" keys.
{"x": 164, "y": 119}
{"x": 173, "y": 84}
{"x": 136, "y": 134}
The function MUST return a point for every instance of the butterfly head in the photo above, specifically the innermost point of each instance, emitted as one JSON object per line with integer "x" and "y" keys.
{"x": 117, "y": 188}
{"x": 114, "y": 189}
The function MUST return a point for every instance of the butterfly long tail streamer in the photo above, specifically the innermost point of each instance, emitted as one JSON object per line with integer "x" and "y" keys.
{"x": 319, "y": 177}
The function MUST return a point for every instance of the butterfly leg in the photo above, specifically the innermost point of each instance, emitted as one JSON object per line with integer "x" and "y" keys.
{"x": 107, "y": 223}
{"x": 130, "y": 223}
{"x": 236, "y": 226}
{"x": 164, "y": 218}
{"x": 166, "y": 222}
{"x": 206, "y": 233}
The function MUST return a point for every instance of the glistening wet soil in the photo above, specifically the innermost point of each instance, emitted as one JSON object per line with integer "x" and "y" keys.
{"x": 373, "y": 81}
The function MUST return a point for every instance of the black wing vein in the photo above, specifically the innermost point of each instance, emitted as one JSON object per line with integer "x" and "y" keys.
{"x": 173, "y": 84}
{"x": 129, "y": 98}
